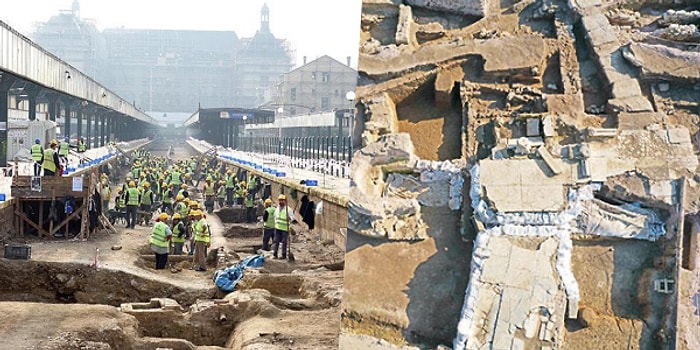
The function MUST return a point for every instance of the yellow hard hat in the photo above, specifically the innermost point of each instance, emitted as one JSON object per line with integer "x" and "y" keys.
{"x": 194, "y": 204}
{"x": 147, "y": 184}
{"x": 268, "y": 201}
{"x": 179, "y": 197}
{"x": 229, "y": 171}
{"x": 184, "y": 186}
{"x": 176, "y": 216}
{"x": 221, "y": 182}
{"x": 196, "y": 213}
{"x": 243, "y": 183}
{"x": 163, "y": 216}
{"x": 132, "y": 184}
{"x": 188, "y": 175}
{"x": 54, "y": 142}
{"x": 281, "y": 197}
{"x": 119, "y": 190}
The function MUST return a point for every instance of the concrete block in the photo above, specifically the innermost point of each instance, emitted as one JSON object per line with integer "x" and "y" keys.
{"x": 548, "y": 126}
{"x": 553, "y": 164}
{"x": 533, "y": 127}
{"x": 678, "y": 135}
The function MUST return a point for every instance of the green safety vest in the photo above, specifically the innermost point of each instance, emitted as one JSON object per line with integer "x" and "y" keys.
{"x": 249, "y": 202}
{"x": 106, "y": 193}
{"x": 48, "y": 160}
{"x": 133, "y": 196}
{"x": 282, "y": 219}
{"x": 183, "y": 209}
{"x": 199, "y": 231}
{"x": 252, "y": 183}
{"x": 37, "y": 151}
{"x": 239, "y": 192}
{"x": 159, "y": 236}
{"x": 136, "y": 172}
{"x": 209, "y": 189}
{"x": 175, "y": 178}
{"x": 81, "y": 146}
{"x": 230, "y": 181}
{"x": 177, "y": 229}
{"x": 120, "y": 202}
{"x": 222, "y": 192}
{"x": 167, "y": 196}
{"x": 63, "y": 148}
{"x": 270, "y": 222}
{"x": 146, "y": 198}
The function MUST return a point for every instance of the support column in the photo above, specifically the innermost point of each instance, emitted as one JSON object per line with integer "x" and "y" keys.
{"x": 5, "y": 85}
{"x": 67, "y": 119}
{"x": 88, "y": 131}
{"x": 32, "y": 94}
{"x": 79, "y": 118}
{"x": 108, "y": 128}
{"x": 103, "y": 128}
{"x": 95, "y": 132}
{"x": 53, "y": 99}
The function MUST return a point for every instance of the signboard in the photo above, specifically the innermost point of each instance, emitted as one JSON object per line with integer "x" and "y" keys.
{"x": 36, "y": 184}
{"x": 77, "y": 184}
{"x": 233, "y": 115}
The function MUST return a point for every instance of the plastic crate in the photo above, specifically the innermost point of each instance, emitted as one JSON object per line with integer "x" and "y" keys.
{"x": 311, "y": 183}
{"x": 18, "y": 251}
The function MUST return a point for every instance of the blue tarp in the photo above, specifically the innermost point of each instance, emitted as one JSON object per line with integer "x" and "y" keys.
{"x": 227, "y": 279}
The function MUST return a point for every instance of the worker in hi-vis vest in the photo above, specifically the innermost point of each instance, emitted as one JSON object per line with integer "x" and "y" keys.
{"x": 37, "y": 154}
{"x": 50, "y": 161}
{"x": 283, "y": 217}
{"x": 268, "y": 224}
{"x": 133, "y": 198}
{"x": 161, "y": 234}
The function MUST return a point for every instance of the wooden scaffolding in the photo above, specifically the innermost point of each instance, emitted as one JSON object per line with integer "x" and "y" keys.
{"x": 45, "y": 190}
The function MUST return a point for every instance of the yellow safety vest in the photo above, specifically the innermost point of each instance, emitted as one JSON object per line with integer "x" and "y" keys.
{"x": 209, "y": 189}
{"x": 175, "y": 178}
{"x": 249, "y": 203}
{"x": 200, "y": 231}
{"x": 48, "y": 163}
{"x": 230, "y": 181}
{"x": 63, "y": 148}
{"x": 222, "y": 192}
{"x": 159, "y": 236}
{"x": 282, "y": 219}
{"x": 81, "y": 146}
{"x": 133, "y": 196}
{"x": 183, "y": 209}
{"x": 37, "y": 151}
{"x": 177, "y": 229}
{"x": 270, "y": 222}
{"x": 146, "y": 198}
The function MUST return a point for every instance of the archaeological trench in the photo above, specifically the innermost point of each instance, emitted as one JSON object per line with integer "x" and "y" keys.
{"x": 59, "y": 299}
{"x": 527, "y": 177}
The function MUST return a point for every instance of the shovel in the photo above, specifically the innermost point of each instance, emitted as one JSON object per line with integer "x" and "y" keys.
{"x": 290, "y": 255}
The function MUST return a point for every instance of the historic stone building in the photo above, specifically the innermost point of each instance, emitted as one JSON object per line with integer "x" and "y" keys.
{"x": 318, "y": 86}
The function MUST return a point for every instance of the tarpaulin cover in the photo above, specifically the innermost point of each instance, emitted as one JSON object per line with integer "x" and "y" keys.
{"x": 227, "y": 279}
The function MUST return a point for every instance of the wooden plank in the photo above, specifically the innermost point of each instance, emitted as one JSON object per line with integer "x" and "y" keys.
{"x": 41, "y": 213}
{"x": 65, "y": 221}
{"x": 31, "y": 223}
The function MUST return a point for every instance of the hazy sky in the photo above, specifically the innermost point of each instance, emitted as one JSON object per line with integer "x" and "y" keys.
{"x": 314, "y": 27}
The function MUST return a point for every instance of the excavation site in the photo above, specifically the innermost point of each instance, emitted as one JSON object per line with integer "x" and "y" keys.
{"x": 67, "y": 282}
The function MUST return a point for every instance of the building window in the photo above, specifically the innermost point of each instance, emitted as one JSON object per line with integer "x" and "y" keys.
{"x": 326, "y": 77}
{"x": 293, "y": 94}
{"x": 292, "y": 110}
{"x": 313, "y": 75}
{"x": 324, "y": 103}
{"x": 313, "y": 92}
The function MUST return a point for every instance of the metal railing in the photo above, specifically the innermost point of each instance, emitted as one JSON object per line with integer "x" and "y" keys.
{"x": 338, "y": 148}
